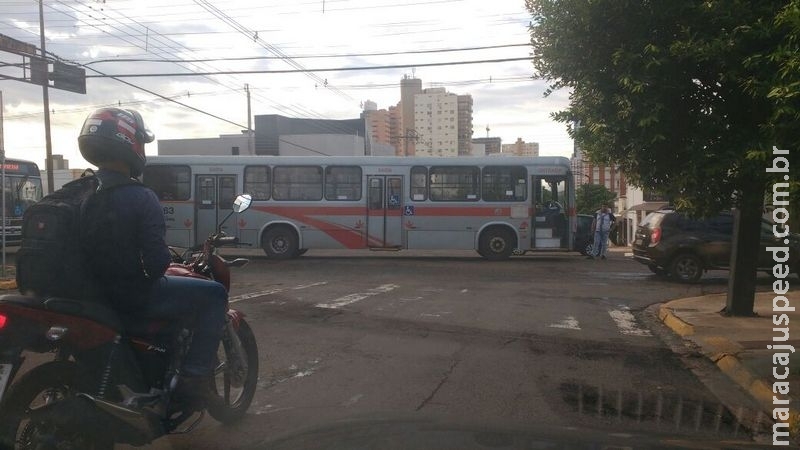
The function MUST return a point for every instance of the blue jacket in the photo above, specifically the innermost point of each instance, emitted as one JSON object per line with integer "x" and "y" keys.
{"x": 128, "y": 252}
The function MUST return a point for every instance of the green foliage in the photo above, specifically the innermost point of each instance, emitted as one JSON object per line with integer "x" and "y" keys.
{"x": 687, "y": 97}
{"x": 589, "y": 198}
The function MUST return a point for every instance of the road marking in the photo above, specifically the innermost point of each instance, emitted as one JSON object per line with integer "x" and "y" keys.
{"x": 569, "y": 323}
{"x": 304, "y": 286}
{"x": 276, "y": 290}
{"x": 238, "y": 298}
{"x": 626, "y": 322}
{"x": 352, "y": 298}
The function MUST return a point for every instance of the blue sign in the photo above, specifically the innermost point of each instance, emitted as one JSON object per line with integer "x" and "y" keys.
{"x": 408, "y": 210}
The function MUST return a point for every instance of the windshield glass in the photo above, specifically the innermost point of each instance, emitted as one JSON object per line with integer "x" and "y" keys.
{"x": 20, "y": 193}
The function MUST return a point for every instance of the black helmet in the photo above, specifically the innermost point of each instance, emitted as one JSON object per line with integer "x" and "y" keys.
{"x": 112, "y": 134}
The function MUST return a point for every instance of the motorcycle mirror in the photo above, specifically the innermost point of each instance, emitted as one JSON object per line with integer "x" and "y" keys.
{"x": 242, "y": 202}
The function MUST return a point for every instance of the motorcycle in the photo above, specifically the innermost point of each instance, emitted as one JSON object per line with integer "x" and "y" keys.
{"x": 111, "y": 382}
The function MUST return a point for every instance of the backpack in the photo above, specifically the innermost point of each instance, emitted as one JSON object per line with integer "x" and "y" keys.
{"x": 51, "y": 260}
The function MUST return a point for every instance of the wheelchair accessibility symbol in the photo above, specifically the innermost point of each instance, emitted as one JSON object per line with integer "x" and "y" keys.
{"x": 408, "y": 210}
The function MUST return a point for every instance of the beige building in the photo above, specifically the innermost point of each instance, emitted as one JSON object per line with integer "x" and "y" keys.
{"x": 436, "y": 123}
{"x": 521, "y": 148}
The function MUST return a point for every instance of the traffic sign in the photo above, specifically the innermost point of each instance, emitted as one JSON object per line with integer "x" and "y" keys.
{"x": 69, "y": 78}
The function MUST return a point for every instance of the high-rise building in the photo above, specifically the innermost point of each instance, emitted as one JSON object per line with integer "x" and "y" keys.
{"x": 436, "y": 123}
{"x": 409, "y": 88}
{"x": 377, "y": 124}
{"x": 464, "y": 125}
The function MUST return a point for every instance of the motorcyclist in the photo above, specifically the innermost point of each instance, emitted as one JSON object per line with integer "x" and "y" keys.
{"x": 127, "y": 254}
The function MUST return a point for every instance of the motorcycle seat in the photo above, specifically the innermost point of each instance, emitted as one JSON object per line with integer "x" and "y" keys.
{"x": 88, "y": 310}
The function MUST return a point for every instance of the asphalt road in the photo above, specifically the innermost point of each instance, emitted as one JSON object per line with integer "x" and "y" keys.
{"x": 355, "y": 342}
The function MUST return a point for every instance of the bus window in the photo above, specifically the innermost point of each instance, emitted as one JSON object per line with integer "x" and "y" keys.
{"x": 455, "y": 184}
{"x": 419, "y": 184}
{"x": 343, "y": 183}
{"x": 297, "y": 183}
{"x": 227, "y": 192}
{"x": 256, "y": 182}
{"x": 169, "y": 182}
{"x": 504, "y": 184}
{"x": 375, "y": 193}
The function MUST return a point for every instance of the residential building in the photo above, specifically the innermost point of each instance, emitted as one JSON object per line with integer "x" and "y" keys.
{"x": 493, "y": 145}
{"x": 464, "y": 125}
{"x": 379, "y": 132}
{"x": 521, "y": 148}
{"x": 409, "y": 88}
{"x": 436, "y": 123}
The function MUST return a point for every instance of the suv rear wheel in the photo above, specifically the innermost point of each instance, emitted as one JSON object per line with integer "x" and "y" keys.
{"x": 687, "y": 267}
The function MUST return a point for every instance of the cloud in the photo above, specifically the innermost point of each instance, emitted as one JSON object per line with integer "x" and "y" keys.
{"x": 510, "y": 104}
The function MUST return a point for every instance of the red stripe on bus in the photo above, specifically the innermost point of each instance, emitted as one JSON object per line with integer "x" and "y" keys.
{"x": 347, "y": 237}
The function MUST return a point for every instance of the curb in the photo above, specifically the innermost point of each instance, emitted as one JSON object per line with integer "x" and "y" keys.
{"x": 733, "y": 368}
{"x": 675, "y": 323}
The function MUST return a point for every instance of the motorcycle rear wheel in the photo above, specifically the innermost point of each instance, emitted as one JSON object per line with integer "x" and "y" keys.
{"x": 235, "y": 388}
{"x": 51, "y": 382}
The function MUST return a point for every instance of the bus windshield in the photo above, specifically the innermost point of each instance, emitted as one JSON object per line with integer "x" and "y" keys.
{"x": 21, "y": 191}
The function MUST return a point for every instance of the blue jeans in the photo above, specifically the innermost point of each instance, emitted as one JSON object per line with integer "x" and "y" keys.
{"x": 205, "y": 303}
{"x": 600, "y": 243}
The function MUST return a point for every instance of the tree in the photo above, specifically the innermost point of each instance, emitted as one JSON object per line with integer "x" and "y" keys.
{"x": 589, "y": 198}
{"x": 687, "y": 97}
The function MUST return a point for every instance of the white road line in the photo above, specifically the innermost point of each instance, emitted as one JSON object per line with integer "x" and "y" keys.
{"x": 304, "y": 286}
{"x": 248, "y": 296}
{"x": 627, "y": 323}
{"x": 238, "y": 298}
{"x": 569, "y": 323}
{"x": 352, "y": 298}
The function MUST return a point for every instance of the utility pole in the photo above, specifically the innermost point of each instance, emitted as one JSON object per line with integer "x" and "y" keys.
{"x": 249, "y": 122}
{"x": 48, "y": 163}
{"x": 3, "y": 182}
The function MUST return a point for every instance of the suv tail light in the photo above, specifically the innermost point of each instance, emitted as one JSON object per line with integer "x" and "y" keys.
{"x": 655, "y": 236}
{"x": 3, "y": 320}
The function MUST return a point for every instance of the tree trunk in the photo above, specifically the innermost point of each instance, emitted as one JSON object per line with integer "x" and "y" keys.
{"x": 744, "y": 254}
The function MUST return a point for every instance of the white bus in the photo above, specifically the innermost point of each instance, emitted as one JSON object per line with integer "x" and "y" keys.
{"x": 496, "y": 206}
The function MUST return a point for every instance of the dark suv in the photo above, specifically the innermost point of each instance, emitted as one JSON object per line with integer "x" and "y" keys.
{"x": 671, "y": 243}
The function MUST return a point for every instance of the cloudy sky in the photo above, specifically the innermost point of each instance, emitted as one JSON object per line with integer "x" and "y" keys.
{"x": 291, "y": 45}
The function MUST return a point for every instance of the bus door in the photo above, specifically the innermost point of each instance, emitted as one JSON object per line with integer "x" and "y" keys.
{"x": 551, "y": 217}
{"x": 385, "y": 211}
{"x": 214, "y": 195}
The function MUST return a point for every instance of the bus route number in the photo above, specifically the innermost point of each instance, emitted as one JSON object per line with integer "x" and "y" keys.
{"x": 169, "y": 210}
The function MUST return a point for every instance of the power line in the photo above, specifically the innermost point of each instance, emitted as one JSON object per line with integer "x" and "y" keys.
{"x": 274, "y": 50}
{"x": 344, "y": 55}
{"x": 336, "y": 69}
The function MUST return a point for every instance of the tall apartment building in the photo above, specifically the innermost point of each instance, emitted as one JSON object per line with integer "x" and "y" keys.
{"x": 464, "y": 125}
{"x": 436, "y": 123}
{"x": 521, "y": 148}
{"x": 377, "y": 125}
{"x": 409, "y": 88}
{"x": 425, "y": 122}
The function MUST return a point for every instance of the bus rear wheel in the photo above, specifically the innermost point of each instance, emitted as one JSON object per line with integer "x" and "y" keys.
{"x": 280, "y": 243}
{"x": 496, "y": 244}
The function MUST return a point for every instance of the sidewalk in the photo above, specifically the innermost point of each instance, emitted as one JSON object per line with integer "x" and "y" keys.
{"x": 738, "y": 345}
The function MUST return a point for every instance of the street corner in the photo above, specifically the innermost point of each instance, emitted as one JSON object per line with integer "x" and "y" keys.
{"x": 669, "y": 318}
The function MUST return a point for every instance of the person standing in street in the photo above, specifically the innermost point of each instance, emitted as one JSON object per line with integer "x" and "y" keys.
{"x": 601, "y": 226}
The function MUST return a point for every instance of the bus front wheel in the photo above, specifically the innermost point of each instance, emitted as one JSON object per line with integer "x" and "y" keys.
{"x": 280, "y": 243}
{"x": 496, "y": 244}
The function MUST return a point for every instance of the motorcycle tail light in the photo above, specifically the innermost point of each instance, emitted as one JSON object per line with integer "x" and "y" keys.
{"x": 3, "y": 321}
{"x": 655, "y": 236}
